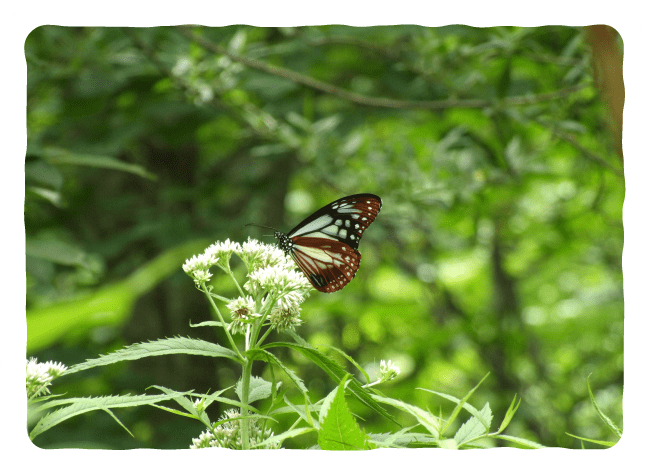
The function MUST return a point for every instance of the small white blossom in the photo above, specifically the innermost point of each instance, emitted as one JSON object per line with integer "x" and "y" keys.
{"x": 40, "y": 376}
{"x": 222, "y": 251}
{"x": 259, "y": 255}
{"x": 201, "y": 276}
{"x": 243, "y": 314}
{"x": 202, "y": 261}
{"x": 388, "y": 370}
{"x": 228, "y": 434}
{"x": 282, "y": 319}
{"x": 201, "y": 404}
{"x": 277, "y": 280}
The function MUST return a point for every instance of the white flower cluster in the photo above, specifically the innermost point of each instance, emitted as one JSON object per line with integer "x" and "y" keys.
{"x": 282, "y": 319}
{"x": 388, "y": 370}
{"x": 40, "y": 376}
{"x": 198, "y": 268}
{"x": 218, "y": 253}
{"x": 222, "y": 251}
{"x": 259, "y": 255}
{"x": 277, "y": 280}
{"x": 228, "y": 434}
{"x": 243, "y": 314}
{"x": 287, "y": 288}
{"x": 271, "y": 275}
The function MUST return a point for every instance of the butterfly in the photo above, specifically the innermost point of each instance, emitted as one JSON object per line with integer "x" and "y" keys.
{"x": 325, "y": 244}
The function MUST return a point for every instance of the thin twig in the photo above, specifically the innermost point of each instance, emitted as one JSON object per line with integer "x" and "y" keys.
{"x": 376, "y": 101}
{"x": 219, "y": 106}
{"x": 351, "y": 41}
{"x": 588, "y": 154}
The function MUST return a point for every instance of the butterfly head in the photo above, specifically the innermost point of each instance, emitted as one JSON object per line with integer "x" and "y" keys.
{"x": 284, "y": 242}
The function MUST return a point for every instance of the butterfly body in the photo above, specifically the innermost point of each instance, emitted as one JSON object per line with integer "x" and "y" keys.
{"x": 325, "y": 244}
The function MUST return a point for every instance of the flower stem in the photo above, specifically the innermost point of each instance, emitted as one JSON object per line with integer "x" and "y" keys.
{"x": 225, "y": 327}
{"x": 229, "y": 272}
{"x": 245, "y": 389}
{"x": 264, "y": 336}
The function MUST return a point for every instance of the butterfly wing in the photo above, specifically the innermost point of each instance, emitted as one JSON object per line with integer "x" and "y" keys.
{"x": 343, "y": 220}
{"x": 328, "y": 264}
{"x": 325, "y": 243}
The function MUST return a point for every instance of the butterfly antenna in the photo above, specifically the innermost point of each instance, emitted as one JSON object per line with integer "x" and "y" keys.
{"x": 262, "y": 226}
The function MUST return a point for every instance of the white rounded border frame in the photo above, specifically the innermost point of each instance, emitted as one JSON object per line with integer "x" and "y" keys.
{"x": 318, "y": 12}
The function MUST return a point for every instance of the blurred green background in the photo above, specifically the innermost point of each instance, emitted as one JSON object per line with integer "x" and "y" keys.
{"x": 496, "y": 151}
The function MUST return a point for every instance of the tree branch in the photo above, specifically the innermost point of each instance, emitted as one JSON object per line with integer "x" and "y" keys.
{"x": 375, "y": 101}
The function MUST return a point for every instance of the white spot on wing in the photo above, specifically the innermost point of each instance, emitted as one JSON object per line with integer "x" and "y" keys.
{"x": 331, "y": 230}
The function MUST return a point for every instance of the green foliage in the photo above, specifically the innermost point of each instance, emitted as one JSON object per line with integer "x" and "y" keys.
{"x": 338, "y": 428}
{"x": 78, "y": 406}
{"x": 110, "y": 305}
{"x": 617, "y": 432}
{"x": 176, "y": 345}
{"x": 498, "y": 248}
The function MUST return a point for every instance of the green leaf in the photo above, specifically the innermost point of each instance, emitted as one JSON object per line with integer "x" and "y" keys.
{"x": 474, "y": 427}
{"x": 206, "y": 323}
{"x": 185, "y": 403}
{"x": 336, "y": 372}
{"x": 428, "y": 421}
{"x": 460, "y": 404}
{"x": 110, "y": 305}
{"x": 612, "y": 426}
{"x": 256, "y": 353}
{"x": 402, "y": 438}
{"x": 596, "y": 441}
{"x": 351, "y": 360}
{"x": 509, "y": 415}
{"x": 56, "y": 251}
{"x": 58, "y": 156}
{"x": 176, "y": 345}
{"x": 304, "y": 412}
{"x": 338, "y": 427}
{"x": 259, "y": 389}
{"x": 53, "y": 197}
{"x": 84, "y": 405}
{"x": 523, "y": 442}
{"x": 285, "y": 435}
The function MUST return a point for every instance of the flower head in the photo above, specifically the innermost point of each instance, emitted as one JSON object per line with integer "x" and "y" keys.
{"x": 277, "y": 280}
{"x": 201, "y": 404}
{"x": 285, "y": 318}
{"x": 388, "y": 370}
{"x": 243, "y": 314}
{"x": 222, "y": 251}
{"x": 228, "y": 434}
{"x": 198, "y": 267}
{"x": 259, "y": 255}
{"x": 40, "y": 376}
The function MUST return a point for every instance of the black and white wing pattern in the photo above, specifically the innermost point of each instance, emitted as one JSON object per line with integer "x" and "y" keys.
{"x": 325, "y": 244}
